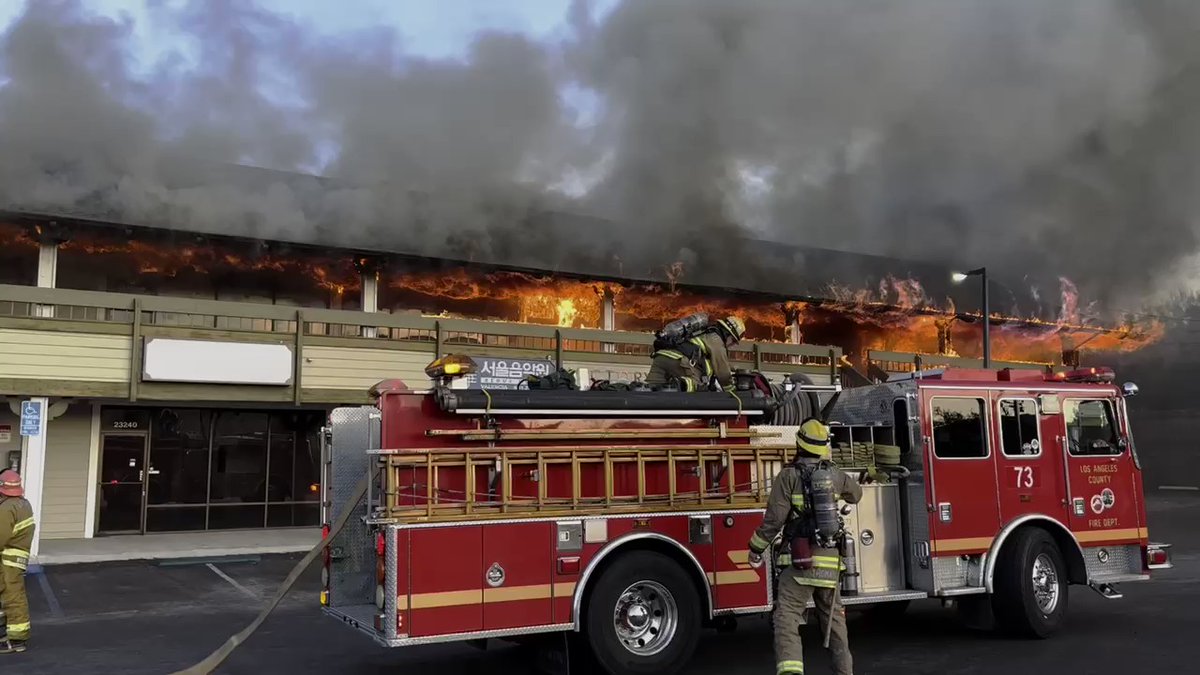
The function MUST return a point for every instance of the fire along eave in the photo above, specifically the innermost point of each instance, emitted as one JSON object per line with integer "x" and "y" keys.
{"x": 818, "y": 286}
{"x": 59, "y": 226}
{"x": 585, "y": 247}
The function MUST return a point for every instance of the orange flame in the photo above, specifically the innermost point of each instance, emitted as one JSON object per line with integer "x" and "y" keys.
{"x": 897, "y": 315}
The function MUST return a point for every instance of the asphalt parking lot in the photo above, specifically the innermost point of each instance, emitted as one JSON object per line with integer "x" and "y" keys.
{"x": 154, "y": 619}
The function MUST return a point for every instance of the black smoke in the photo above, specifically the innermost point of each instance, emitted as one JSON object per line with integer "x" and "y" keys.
{"x": 1043, "y": 138}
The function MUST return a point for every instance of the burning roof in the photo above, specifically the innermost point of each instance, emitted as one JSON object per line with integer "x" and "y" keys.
{"x": 893, "y": 314}
{"x": 544, "y": 241}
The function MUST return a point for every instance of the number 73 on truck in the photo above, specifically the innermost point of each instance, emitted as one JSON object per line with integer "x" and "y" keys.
{"x": 621, "y": 518}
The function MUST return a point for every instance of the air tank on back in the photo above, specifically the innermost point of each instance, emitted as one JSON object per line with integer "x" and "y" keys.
{"x": 680, "y": 329}
{"x": 824, "y": 506}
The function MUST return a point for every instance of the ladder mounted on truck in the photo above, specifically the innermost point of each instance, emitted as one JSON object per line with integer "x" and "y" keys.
{"x": 483, "y": 483}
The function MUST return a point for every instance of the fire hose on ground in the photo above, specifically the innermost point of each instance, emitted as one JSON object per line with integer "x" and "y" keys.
{"x": 215, "y": 659}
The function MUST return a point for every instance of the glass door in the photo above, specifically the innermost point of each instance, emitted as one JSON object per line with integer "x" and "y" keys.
{"x": 122, "y": 490}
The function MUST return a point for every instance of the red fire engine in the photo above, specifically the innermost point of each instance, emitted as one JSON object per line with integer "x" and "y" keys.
{"x": 624, "y": 515}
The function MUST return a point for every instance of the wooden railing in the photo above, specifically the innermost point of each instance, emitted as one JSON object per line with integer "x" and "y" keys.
{"x": 904, "y": 362}
{"x": 54, "y": 308}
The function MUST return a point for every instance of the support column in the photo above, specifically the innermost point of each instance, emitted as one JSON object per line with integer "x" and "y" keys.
{"x": 608, "y": 317}
{"x": 794, "y": 336}
{"x": 1070, "y": 350}
{"x": 33, "y": 465}
{"x": 368, "y": 270}
{"x": 33, "y": 448}
{"x": 944, "y": 337}
{"x": 47, "y": 271}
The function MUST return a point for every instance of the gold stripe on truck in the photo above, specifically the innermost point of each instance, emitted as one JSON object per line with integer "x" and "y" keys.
{"x": 485, "y": 596}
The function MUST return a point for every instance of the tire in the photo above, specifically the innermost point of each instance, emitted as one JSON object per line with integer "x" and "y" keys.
{"x": 1021, "y": 605}
{"x": 656, "y": 606}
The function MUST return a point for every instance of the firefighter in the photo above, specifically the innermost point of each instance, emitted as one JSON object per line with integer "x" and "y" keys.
{"x": 694, "y": 362}
{"x": 16, "y": 539}
{"x": 813, "y": 567}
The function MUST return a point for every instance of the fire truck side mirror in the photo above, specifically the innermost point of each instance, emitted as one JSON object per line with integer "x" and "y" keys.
{"x": 1129, "y": 389}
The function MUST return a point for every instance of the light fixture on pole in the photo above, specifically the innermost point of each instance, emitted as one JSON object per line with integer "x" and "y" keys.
{"x": 958, "y": 278}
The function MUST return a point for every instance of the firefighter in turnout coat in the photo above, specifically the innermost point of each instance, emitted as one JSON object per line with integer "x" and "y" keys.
{"x": 699, "y": 360}
{"x": 16, "y": 539}
{"x": 786, "y": 509}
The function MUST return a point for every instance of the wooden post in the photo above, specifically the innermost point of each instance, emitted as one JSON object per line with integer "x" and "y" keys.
{"x": 135, "y": 351}
{"x": 298, "y": 359}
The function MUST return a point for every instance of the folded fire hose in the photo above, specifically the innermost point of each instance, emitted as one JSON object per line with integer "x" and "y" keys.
{"x": 215, "y": 659}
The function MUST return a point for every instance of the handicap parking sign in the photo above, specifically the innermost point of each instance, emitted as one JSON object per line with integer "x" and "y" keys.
{"x": 31, "y": 418}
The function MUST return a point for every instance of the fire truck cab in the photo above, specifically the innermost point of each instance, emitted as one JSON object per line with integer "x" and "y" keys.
{"x": 623, "y": 518}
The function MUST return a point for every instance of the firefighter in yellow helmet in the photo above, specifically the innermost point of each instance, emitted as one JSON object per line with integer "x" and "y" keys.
{"x": 16, "y": 540}
{"x": 698, "y": 357}
{"x": 813, "y": 563}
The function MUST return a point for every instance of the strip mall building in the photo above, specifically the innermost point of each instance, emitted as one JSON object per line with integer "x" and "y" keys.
{"x": 185, "y": 377}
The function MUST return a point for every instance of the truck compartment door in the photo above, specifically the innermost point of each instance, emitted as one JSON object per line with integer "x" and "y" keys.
{"x": 734, "y": 582}
{"x": 446, "y": 587}
{"x": 516, "y": 573}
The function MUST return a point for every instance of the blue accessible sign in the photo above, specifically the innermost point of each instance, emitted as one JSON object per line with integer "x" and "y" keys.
{"x": 31, "y": 418}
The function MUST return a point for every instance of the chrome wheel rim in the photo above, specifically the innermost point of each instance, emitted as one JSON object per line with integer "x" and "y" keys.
{"x": 646, "y": 618}
{"x": 1045, "y": 583}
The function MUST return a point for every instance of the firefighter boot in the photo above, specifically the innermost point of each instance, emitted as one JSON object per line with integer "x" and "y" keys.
{"x": 13, "y": 646}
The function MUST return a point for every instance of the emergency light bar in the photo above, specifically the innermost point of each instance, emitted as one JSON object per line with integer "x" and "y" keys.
{"x": 1097, "y": 375}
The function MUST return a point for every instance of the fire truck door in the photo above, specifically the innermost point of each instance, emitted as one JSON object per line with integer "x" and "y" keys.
{"x": 1100, "y": 474}
{"x": 964, "y": 511}
{"x": 1029, "y": 469}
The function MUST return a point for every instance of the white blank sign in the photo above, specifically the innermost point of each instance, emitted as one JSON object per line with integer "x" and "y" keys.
{"x": 168, "y": 360}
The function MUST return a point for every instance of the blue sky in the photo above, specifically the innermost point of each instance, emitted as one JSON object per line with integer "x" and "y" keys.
{"x": 436, "y": 28}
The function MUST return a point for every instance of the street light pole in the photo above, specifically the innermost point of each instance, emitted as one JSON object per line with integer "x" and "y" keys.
{"x": 959, "y": 277}
{"x": 987, "y": 321}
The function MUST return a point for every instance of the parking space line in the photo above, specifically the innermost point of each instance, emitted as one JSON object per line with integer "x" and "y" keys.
{"x": 51, "y": 599}
{"x": 231, "y": 581}
{"x": 1183, "y": 488}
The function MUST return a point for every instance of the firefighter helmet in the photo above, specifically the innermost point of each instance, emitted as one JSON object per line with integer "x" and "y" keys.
{"x": 10, "y": 484}
{"x": 733, "y": 326}
{"x": 813, "y": 438}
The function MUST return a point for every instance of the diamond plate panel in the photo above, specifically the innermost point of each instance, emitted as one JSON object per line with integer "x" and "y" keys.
{"x": 353, "y": 431}
{"x": 916, "y": 519}
{"x": 1122, "y": 560}
{"x": 950, "y": 572}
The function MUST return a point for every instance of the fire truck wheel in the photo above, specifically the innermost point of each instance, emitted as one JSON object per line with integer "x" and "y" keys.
{"x": 1030, "y": 596}
{"x": 643, "y": 616}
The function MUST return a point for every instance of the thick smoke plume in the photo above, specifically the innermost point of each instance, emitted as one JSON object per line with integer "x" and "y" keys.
{"x": 1044, "y": 138}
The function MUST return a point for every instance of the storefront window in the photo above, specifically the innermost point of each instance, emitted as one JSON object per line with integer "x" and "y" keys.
{"x": 239, "y": 461}
{"x": 225, "y": 469}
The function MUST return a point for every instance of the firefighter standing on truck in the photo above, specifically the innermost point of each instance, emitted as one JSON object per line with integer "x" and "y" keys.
{"x": 16, "y": 539}
{"x": 693, "y": 353}
{"x": 803, "y": 504}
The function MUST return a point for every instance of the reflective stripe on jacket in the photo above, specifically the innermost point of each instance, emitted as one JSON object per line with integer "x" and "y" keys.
{"x": 16, "y": 531}
{"x": 787, "y": 491}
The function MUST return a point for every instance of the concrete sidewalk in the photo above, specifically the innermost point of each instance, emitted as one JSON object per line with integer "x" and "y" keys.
{"x": 178, "y": 545}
